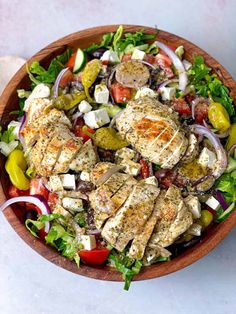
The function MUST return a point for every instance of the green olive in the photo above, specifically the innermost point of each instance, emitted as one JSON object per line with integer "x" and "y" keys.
{"x": 206, "y": 218}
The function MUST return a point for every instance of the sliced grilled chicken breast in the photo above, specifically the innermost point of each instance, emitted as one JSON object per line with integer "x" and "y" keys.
{"x": 174, "y": 220}
{"x": 130, "y": 219}
{"x": 113, "y": 201}
{"x": 86, "y": 159}
{"x": 154, "y": 130}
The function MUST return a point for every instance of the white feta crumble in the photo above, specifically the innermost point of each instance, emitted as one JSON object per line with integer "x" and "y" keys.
{"x": 97, "y": 118}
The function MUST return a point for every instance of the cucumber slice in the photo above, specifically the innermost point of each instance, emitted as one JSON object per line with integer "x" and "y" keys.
{"x": 225, "y": 213}
{"x": 80, "y": 60}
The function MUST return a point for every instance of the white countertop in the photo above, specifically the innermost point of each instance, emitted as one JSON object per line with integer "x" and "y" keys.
{"x": 31, "y": 285}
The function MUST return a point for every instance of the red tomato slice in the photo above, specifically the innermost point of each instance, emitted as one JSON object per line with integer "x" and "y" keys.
{"x": 150, "y": 59}
{"x": 52, "y": 199}
{"x": 126, "y": 58}
{"x": 161, "y": 58}
{"x": 181, "y": 106}
{"x": 145, "y": 172}
{"x": 71, "y": 61}
{"x": 97, "y": 256}
{"x": 121, "y": 93}
{"x": 79, "y": 132}
{"x": 201, "y": 112}
{"x": 37, "y": 188}
{"x": 66, "y": 78}
{"x": 14, "y": 192}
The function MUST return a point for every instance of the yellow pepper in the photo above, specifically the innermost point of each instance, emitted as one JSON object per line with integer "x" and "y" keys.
{"x": 219, "y": 117}
{"x": 15, "y": 166}
{"x": 232, "y": 137}
{"x": 68, "y": 101}
{"x": 90, "y": 74}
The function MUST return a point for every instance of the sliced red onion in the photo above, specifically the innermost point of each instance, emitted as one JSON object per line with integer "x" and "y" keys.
{"x": 167, "y": 83}
{"x": 21, "y": 138}
{"x": 195, "y": 102}
{"x": 57, "y": 82}
{"x": 113, "y": 120}
{"x": 95, "y": 232}
{"x": 37, "y": 200}
{"x": 221, "y": 199}
{"x": 147, "y": 63}
{"x": 220, "y": 152}
{"x": 183, "y": 78}
{"x": 108, "y": 174}
{"x": 231, "y": 149}
{"x": 219, "y": 135}
{"x": 75, "y": 117}
{"x": 109, "y": 82}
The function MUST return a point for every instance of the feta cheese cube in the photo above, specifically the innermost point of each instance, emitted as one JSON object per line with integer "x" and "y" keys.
{"x": 130, "y": 167}
{"x": 193, "y": 205}
{"x": 74, "y": 204}
{"x": 88, "y": 242}
{"x": 68, "y": 181}
{"x": 138, "y": 54}
{"x": 84, "y": 106}
{"x": 125, "y": 153}
{"x": 145, "y": 91}
{"x": 213, "y": 203}
{"x": 110, "y": 56}
{"x": 101, "y": 94}
{"x": 97, "y": 118}
{"x": 167, "y": 93}
{"x": 85, "y": 176}
{"x": 151, "y": 180}
{"x": 207, "y": 158}
{"x": 55, "y": 184}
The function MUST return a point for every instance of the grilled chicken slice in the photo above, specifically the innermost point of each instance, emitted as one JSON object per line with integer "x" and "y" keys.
{"x": 139, "y": 243}
{"x": 174, "y": 220}
{"x": 102, "y": 172}
{"x": 60, "y": 138}
{"x": 132, "y": 74}
{"x": 154, "y": 130}
{"x": 36, "y": 108}
{"x": 68, "y": 153}
{"x": 112, "y": 202}
{"x": 41, "y": 125}
{"x": 86, "y": 159}
{"x": 130, "y": 219}
{"x": 100, "y": 199}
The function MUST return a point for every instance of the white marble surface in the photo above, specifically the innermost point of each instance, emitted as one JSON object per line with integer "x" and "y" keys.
{"x": 31, "y": 285}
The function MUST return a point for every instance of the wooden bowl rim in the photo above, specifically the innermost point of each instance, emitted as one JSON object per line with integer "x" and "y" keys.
{"x": 106, "y": 273}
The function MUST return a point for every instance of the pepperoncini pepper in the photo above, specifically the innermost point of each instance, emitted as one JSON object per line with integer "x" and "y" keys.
{"x": 232, "y": 137}
{"x": 218, "y": 117}
{"x": 108, "y": 138}
{"x": 90, "y": 74}
{"x": 16, "y": 166}
{"x": 68, "y": 101}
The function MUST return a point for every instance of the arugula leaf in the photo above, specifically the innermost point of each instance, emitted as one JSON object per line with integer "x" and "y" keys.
{"x": 7, "y": 136}
{"x": 127, "y": 266}
{"x": 207, "y": 84}
{"x": 106, "y": 41}
{"x": 48, "y": 76}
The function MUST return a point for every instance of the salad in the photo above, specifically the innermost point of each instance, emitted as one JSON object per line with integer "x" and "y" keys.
{"x": 122, "y": 153}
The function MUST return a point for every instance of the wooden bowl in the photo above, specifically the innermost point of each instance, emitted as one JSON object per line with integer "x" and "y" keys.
{"x": 8, "y": 102}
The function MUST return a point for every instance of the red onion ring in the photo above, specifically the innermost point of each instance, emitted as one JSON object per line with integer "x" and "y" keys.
{"x": 183, "y": 78}
{"x": 167, "y": 83}
{"x": 57, "y": 82}
{"x": 113, "y": 120}
{"x": 37, "y": 200}
{"x": 221, "y": 199}
{"x": 231, "y": 149}
{"x": 220, "y": 152}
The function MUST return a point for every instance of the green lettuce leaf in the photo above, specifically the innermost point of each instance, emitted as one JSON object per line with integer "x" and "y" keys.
{"x": 207, "y": 84}
{"x": 7, "y": 136}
